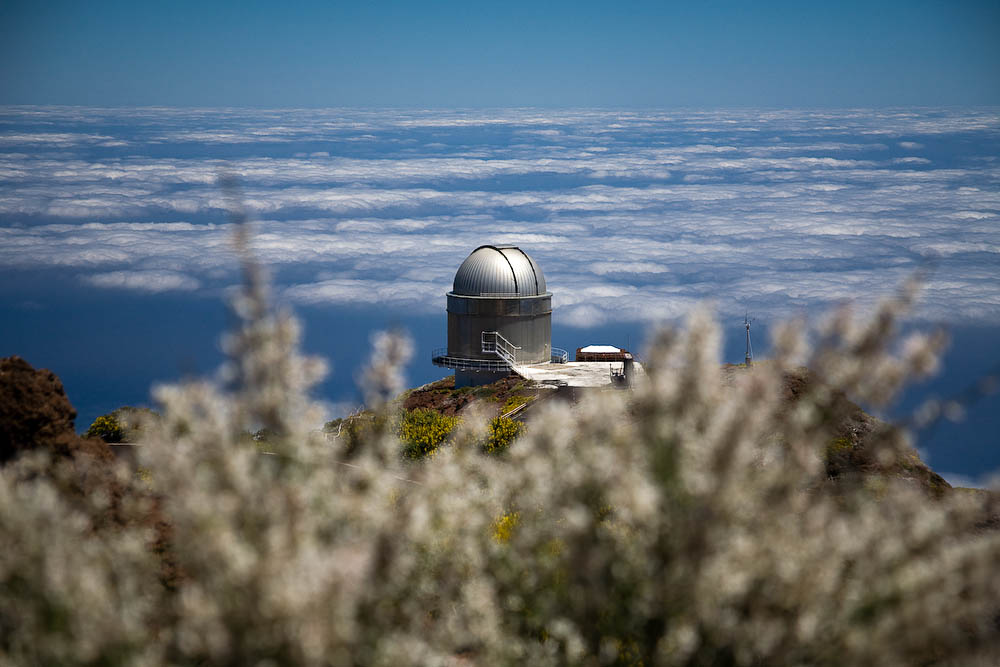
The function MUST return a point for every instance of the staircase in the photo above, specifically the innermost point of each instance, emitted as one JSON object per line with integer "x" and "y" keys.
{"x": 494, "y": 343}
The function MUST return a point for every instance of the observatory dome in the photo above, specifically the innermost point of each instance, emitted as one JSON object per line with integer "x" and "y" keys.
{"x": 499, "y": 271}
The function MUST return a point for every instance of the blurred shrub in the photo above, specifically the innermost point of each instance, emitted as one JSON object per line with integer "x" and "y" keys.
{"x": 504, "y": 526}
{"x": 354, "y": 430}
{"x": 690, "y": 522}
{"x": 125, "y": 424}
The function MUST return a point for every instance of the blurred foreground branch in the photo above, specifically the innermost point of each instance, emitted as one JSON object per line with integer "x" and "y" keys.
{"x": 691, "y": 523}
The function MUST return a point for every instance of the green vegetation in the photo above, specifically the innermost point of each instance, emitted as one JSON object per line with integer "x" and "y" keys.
{"x": 422, "y": 431}
{"x": 501, "y": 431}
{"x": 486, "y": 391}
{"x": 107, "y": 428}
{"x": 125, "y": 424}
{"x": 514, "y": 402}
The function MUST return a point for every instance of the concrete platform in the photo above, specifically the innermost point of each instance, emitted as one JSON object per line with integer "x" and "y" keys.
{"x": 576, "y": 373}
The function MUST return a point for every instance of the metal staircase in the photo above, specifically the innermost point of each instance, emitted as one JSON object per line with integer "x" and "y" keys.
{"x": 508, "y": 356}
{"x": 494, "y": 343}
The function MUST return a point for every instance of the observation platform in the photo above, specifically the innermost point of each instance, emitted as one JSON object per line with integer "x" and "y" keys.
{"x": 557, "y": 372}
{"x": 577, "y": 373}
{"x": 552, "y": 374}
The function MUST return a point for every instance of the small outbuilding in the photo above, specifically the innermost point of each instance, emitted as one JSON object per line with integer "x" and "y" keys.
{"x": 602, "y": 353}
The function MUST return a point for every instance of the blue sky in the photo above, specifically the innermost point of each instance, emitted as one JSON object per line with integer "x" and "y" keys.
{"x": 460, "y": 54}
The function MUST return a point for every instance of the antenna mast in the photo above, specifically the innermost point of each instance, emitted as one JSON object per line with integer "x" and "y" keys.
{"x": 749, "y": 356}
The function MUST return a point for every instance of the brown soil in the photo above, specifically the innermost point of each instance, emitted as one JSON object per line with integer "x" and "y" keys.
{"x": 443, "y": 397}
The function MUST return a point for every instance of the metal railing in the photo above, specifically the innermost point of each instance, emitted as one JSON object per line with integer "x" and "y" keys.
{"x": 491, "y": 342}
{"x": 440, "y": 357}
{"x": 494, "y": 343}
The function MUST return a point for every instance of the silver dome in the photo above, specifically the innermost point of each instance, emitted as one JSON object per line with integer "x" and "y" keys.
{"x": 499, "y": 271}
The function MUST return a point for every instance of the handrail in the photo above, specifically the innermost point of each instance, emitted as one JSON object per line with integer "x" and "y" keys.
{"x": 440, "y": 357}
{"x": 517, "y": 409}
{"x": 559, "y": 355}
{"x": 491, "y": 342}
{"x": 499, "y": 346}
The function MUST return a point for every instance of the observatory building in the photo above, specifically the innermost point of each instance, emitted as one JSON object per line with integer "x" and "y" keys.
{"x": 499, "y": 316}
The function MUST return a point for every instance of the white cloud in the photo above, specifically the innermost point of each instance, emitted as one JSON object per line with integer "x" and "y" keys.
{"x": 624, "y": 267}
{"x": 144, "y": 281}
{"x": 583, "y": 315}
{"x": 418, "y": 295}
{"x": 632, "y": 215}
{"x": 57, "y": 139}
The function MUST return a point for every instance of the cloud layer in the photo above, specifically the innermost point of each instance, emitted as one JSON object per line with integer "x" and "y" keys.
{"x": 632, "y": 215}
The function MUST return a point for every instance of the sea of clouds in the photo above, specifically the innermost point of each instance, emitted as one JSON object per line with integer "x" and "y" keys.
{"x": 633, "y": 215}
{"x": 116, "y": 240}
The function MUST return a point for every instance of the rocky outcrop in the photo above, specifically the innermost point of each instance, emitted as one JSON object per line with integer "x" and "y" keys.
{"x": 858, "y": 440}
{"x": 35, "y": 413}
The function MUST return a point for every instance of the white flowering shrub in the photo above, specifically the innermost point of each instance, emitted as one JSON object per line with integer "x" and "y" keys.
{"x": 691, "y": 522}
